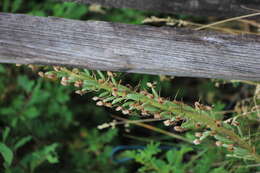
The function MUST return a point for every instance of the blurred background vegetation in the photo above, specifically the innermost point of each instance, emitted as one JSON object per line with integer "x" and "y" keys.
{"x": 46, "y": 127}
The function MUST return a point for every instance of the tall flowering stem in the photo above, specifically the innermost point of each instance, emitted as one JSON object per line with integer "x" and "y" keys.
{"x": 129, "y": 101}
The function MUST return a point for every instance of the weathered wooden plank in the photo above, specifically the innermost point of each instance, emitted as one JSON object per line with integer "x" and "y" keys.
{"x": 218, "y": 8}
{"x": 128, "y": 48}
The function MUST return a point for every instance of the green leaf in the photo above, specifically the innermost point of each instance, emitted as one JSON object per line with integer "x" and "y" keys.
{"x": 136, "y": 97}
{"x": 117, "y": 100}
{"x": 2, "y": 69}
{"x": 170, "y": 156}
{"x": 22, "y": 142}
{"x": 223, "y": 139}
{"x": 89, "y": 84}
{"x": 241, "y": 152}
{"x": 109, "y": 99}
{"x": 87, "y": 72}
{"x": 25, "y": 83}
{"x": 166, "y": 115}
{"x": 31, "y": 112}
{"x": 6, "y": 153}
{"x": 101, "y": 75}
{"x": 5, "y": 5}
{"x": 6, "y": 133}
{"x": 150, "y": 108}
{"x": 127, "y": 104}
{"x": 16, "y": 5}
{"x": 103, "y": 94}
{"x": 188, "y": 124}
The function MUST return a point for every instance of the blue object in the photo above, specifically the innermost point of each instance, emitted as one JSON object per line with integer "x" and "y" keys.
{"x": 122, "y": 148}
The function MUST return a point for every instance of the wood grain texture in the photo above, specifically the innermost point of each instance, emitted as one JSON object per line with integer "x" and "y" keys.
{"x": 128, "y": 48}
{"x": 218, "y": 8}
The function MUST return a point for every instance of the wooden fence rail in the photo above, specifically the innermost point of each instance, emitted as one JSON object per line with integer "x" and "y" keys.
{"x": 218, "y": 8}
{"x": 128, "y": 48}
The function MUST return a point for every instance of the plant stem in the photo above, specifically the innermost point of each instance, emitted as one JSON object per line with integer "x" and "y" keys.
{"x": 176, "y": 108}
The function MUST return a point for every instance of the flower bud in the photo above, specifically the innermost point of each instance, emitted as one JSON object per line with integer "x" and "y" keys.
{"x": 157, "y": 116}
{"x": 64, "y": 81}
{"x": 198, "y": 134}
{"x": 218, "y": 123}
{"x": 80, "y": 92}
{"x": 108, "y": 105}
{"x": 149, "y": 84}
{"x": 167, "y": 122}
{"x": 78, "y": 83}
{"x": 100, "y": 103}
{"x": 41, "y": 74}
{"x": 219, "y": 143}
{"x": 125, "y": 112}
{"x": 196, "y": 141}
{"x": 95, "y": 98}
{"x": 110, "y": 74}
{"x": 51, "y": 76}
{"x": 56, "y": 68}
{"x": 179, "y": 129}
{"x": 119, "y": 108}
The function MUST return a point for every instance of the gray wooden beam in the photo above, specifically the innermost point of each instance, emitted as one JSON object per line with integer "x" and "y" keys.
{"x": 218, "y": 8}
{"x": 128, "y": 48}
